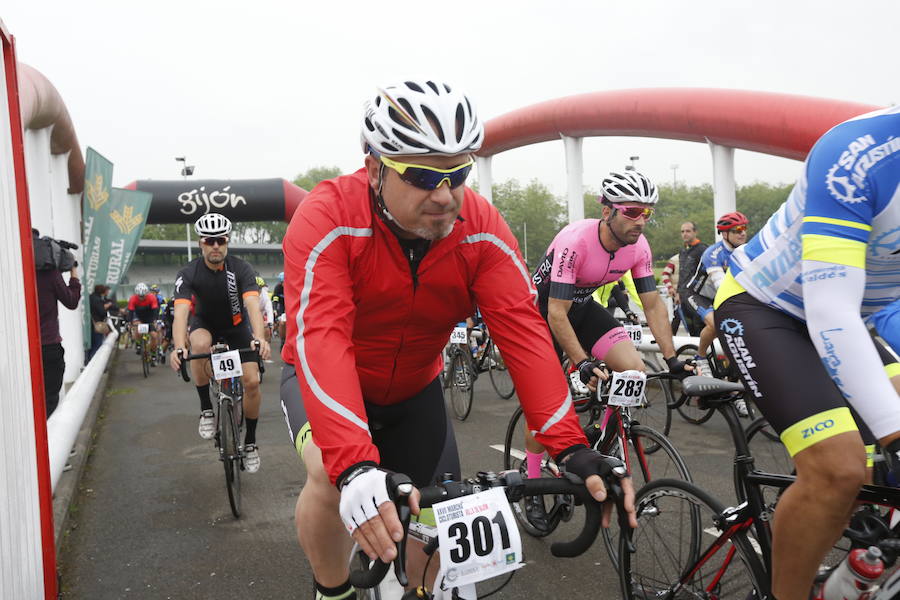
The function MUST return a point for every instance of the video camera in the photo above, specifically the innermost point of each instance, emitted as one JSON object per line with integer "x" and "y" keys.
{"x": 52, "y": 254}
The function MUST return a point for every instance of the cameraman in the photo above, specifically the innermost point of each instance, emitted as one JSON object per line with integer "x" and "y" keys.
{"x": 52, "y": 289}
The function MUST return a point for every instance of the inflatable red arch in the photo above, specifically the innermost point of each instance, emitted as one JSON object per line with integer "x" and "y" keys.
{"x": 779, "y": 124}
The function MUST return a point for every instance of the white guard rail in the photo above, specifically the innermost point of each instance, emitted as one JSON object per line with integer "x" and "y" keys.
{"x": 648, "y": 343}
{"x": 65, "y": 422}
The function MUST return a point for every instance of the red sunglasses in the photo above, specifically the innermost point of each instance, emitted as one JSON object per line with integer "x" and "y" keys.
{"x": 634, "y": 213}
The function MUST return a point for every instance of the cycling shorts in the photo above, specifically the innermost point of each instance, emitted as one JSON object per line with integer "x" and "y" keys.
{"x": 414, "y": 437}
{"x": 236, "y": 337}
{"x": 701, "y": 304}
{"x": 596, "y": 329}
{"x": 785, "y": 375}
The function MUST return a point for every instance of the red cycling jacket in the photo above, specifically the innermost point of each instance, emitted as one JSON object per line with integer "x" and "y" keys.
{"x": 358, "y": 328}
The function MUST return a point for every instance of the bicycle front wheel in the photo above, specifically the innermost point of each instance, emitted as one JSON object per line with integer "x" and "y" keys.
{"x": 654, "y": 412}
{"x": 665, "y": 462}
{"x": 681, "y": 549}
{"x": 500, "y": 377}
{"x": 228, "y": 441}
{"x": 461, "y": 381}
{"x": 145, "y": 359}
{"x": 514, "y": 459}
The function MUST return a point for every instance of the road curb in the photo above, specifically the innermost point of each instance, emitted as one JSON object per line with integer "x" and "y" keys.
{"x": 67, "y": 486}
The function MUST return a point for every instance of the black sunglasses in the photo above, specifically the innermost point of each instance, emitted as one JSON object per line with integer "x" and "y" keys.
{"x": 212, "y": 241}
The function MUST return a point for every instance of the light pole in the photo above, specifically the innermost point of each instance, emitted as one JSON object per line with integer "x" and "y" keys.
{"x": 633, "y": 160}
{"x": 185, "y": 171}
{"x": 525, "y": 235}
{"x": 674, "y": 168}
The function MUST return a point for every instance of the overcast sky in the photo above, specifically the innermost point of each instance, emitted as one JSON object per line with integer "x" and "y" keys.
{"x": 270, "y": 89}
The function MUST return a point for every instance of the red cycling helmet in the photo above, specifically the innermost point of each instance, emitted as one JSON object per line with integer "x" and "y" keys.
{"x": 730, "y": 221}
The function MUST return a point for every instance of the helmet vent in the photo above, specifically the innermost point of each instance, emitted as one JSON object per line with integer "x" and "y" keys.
{"x": 433, "y": 87}
{"x": 415, "y": 87}
{"x": 400, "y": 119}
{"x": 408, "y": 140}
{"x": 435, "y": 123}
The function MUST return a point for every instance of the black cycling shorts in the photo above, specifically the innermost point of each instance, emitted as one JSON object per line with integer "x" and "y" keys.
{"x": 597, "y": 330}
{"x": 414, "y": 437}
{"x": 701, "y": 304}
{"x": 780, "y": 366}
{"x": 236, "y": 337}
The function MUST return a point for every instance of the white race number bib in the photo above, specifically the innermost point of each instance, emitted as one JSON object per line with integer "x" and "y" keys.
{"x": 478, "y": 537}
{"x": 226, "y": 365}
{"x": 458, "y": 336}
{"x": 627, "y": 388}
{"x": 143, "y": 328}
{"x": 635, "y": 332}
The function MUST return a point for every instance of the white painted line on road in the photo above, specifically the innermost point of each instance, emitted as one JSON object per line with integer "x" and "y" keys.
{"x": 514, "y": 452}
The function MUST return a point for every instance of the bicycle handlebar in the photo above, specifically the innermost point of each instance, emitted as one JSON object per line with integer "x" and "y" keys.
{"x": 516, "y": 487}
{"x": 244, "y": 352}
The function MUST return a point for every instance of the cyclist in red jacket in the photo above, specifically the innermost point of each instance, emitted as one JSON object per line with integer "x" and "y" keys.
{"x": 379, "y": 267}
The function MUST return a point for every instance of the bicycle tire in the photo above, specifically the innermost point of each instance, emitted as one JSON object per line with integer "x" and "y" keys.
{"x": 228, "y": 440}
{"x": 145, "y": 360}
{"x": 657, "y": 566}
{"x": 511, "y": 462}
{"x": 644, "y": 468}
{"x": 655, "y": 413}
{"x": 461, "y": 381}
{"x": 498, "y": 372}
{"x": 769, "y": 456}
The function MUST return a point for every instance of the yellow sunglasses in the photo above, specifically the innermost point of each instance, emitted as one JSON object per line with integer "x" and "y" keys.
{"x": 429, "y": 178}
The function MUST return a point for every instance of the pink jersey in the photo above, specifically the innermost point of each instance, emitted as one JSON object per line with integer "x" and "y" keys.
{"x": 576, "y": 264}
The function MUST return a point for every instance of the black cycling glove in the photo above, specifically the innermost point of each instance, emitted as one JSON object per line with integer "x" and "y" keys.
{"x": 586, "y": 369}
{"x": 676, "y": 367}
{"x": 584, "y": 462}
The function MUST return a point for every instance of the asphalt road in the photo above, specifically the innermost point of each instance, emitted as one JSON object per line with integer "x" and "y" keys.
{"x": 151, "y": 519}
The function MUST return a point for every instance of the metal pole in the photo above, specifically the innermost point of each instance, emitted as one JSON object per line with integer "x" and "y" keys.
{"x": 485, "y": 179}
{"x": 575, "y": 179}
{"x": 724, "y": 200}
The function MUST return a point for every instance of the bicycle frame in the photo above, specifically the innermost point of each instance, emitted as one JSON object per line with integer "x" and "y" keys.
{"x": 751, "y": 512}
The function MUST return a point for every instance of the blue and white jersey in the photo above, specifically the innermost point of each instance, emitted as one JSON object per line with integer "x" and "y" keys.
{"x": 711, "y": 270}
{"x": 844, "y": 210}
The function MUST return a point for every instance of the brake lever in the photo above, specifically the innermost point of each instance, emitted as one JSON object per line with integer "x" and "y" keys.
{"x": 399, "y": 490}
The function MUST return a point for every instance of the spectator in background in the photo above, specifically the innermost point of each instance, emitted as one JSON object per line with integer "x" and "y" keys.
{"x": 52, "y": 289}
{"x": 669, "y": 278}
{"x": 688, "y": 259}
{"x": 100, "y": 306}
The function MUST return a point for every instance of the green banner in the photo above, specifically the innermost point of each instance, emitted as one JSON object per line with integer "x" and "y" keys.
{"x": 95, "y": 209}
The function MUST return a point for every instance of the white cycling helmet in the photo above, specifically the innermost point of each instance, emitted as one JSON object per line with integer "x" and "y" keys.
{"x": 629, "y": 186}
{"x": 141, "y": 289}
{"x": 421, "y": 117}
{"x": 212, "y": 224}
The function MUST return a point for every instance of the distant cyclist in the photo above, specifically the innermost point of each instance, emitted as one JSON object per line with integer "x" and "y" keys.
{"x": 791, "y": 313}
{"x": 583, "y": 256}
{"x": 705, "y": 281}
{"x": 226, "y": 306}
{"x": 278, "y": 306}
{"x": 143, "y": 307}
{"x": 265, "y": 306}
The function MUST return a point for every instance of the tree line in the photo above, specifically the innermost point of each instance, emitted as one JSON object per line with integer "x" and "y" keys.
{"x": 534, "y": 210}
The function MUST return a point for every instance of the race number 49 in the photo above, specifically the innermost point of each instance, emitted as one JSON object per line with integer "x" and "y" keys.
{"x": 227, "y": 365}
{"x": 478, "y": 537}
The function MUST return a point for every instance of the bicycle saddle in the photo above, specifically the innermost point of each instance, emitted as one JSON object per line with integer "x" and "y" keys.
{"x": 697, "y": 385}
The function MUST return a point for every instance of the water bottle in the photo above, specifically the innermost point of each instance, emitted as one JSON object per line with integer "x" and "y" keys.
{"x": 854, "y": 577}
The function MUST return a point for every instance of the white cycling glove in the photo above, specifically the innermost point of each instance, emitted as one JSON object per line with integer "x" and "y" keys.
{"x": 362, "y": 492}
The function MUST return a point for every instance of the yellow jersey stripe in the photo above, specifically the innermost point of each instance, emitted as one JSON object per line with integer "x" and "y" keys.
{"x": 814, "y": 429}
{"x": 842, "y": 222}
{"x": 892, "y": 370}
{"x": 729, "y": 287}
{"x": 839, "y": 251}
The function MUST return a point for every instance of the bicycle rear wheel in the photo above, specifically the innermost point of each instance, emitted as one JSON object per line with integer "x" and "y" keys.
{"x": 644, "y": 467}
{"x": 228, "y": 441}
{"x": 675, "y": 549}
{"x": 500, "y": 377}
{"x": 461, "y": 381}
